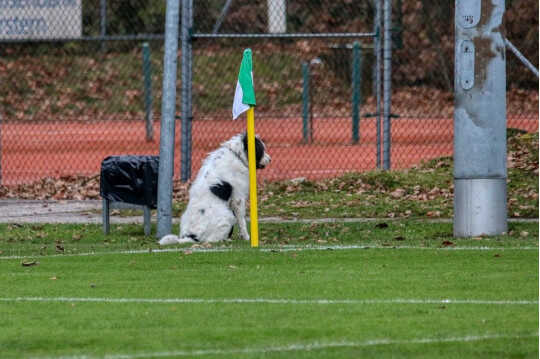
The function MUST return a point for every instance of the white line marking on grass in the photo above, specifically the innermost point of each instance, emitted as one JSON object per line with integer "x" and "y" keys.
{"x": 299, "y": 347}
{"x": 287, "y": 248}
{"x": 270, "y": 300}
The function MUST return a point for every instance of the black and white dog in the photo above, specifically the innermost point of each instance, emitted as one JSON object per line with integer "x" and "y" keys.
{"x": 217, "y": 197}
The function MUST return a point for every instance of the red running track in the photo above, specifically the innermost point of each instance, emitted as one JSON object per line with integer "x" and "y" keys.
{"x": 31, "y": 151}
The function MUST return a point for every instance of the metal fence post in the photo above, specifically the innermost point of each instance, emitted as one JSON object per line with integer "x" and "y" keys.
{"x": 148, "y": 101}
{"x": 187, "y": 71}
{"x": 1, "y": 149}
{"x": 356, "y": 90}
{"x": 377, "y": 48}
{"x": 387, "y": 83}
{"x": 168, "y": 108}
{"x": 103, "y": 22}
{"x": 520, "y": 57}
{"x": 306, "y": 103}
{"x": 222, "y": 16}
{"x": 479, "y": 119}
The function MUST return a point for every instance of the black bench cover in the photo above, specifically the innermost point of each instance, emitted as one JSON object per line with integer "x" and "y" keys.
{"x": 130, "y": 179}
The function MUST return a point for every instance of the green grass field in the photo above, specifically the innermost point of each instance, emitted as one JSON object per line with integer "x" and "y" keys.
{"x": 404, "y": 289}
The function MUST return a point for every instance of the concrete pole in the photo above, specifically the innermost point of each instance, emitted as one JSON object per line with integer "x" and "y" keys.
{"x": 168, "y": 109}
{"x": 479, "y": 119}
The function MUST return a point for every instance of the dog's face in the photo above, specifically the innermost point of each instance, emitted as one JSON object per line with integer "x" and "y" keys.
{"x": 262, "y": 158}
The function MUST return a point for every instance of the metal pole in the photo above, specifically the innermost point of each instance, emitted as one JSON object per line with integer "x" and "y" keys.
{"x": 187, "y": 20}
{"x": 387, "y": 82}
{"x": 521, "y": 58}
{"x": 221, "y": 17}
{"x": 103, "y": 22}
{"x": 168, "y": 107}
{"x": 356, "y": 90}
{"x": 323, "y": 35}
{"x": 479, "y": 119}
{"x": 378, "y": 55}
{"x": 190, "y": 94}
{"x": 306, "y": 115}
{"x": 1, "y": 148}
{"x": 147, "y": 73}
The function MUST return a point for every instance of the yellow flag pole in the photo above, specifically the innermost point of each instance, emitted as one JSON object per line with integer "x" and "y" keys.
{"x": 252, "y": 178}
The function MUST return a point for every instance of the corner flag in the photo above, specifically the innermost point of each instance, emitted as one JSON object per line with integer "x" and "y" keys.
{"x": 244, "y": 100}
{"x": 244, "y": 96}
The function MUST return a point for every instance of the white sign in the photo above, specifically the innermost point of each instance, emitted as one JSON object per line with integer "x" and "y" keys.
{"x": 40, "y": 19}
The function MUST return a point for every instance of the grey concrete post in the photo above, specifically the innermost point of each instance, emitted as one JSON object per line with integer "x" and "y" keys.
{"x": 479, "y": 119}
{"x": 168, "y": 107}
{"x": 387, "y": 83}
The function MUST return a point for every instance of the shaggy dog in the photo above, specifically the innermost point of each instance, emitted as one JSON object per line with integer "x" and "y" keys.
{"x": 217, "y": 197}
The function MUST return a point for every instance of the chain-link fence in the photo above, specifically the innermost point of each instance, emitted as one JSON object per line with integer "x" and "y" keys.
{"x": 77, "y": 84}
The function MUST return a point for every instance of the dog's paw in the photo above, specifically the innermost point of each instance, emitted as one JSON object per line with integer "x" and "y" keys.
{"x": 168, "y": 239}
{"x": 245, "y": 237}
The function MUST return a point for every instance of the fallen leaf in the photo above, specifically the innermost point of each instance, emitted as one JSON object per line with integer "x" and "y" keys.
{"x": 398, "y": 193}
{"x": 53, "y": 278}
{"x": 29, "y": 264}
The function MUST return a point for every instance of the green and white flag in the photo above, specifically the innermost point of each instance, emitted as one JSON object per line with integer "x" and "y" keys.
{"x": 244, "y": 96}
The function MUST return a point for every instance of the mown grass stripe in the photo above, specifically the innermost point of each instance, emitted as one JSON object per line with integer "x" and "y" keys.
{"x": 299, "y": 347}
{"x": 278, "y": 249}
{"x": 270, "y": 301}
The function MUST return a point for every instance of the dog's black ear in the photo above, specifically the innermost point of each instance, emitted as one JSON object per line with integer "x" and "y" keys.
{"x": 259, "y": 149}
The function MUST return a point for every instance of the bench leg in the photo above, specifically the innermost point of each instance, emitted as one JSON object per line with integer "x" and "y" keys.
{"x": 106, "y": 212}
{"x": 147, "y": 223}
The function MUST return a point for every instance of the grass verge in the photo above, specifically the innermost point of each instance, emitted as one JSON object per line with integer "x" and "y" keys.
{"x": 36, "y": 240}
